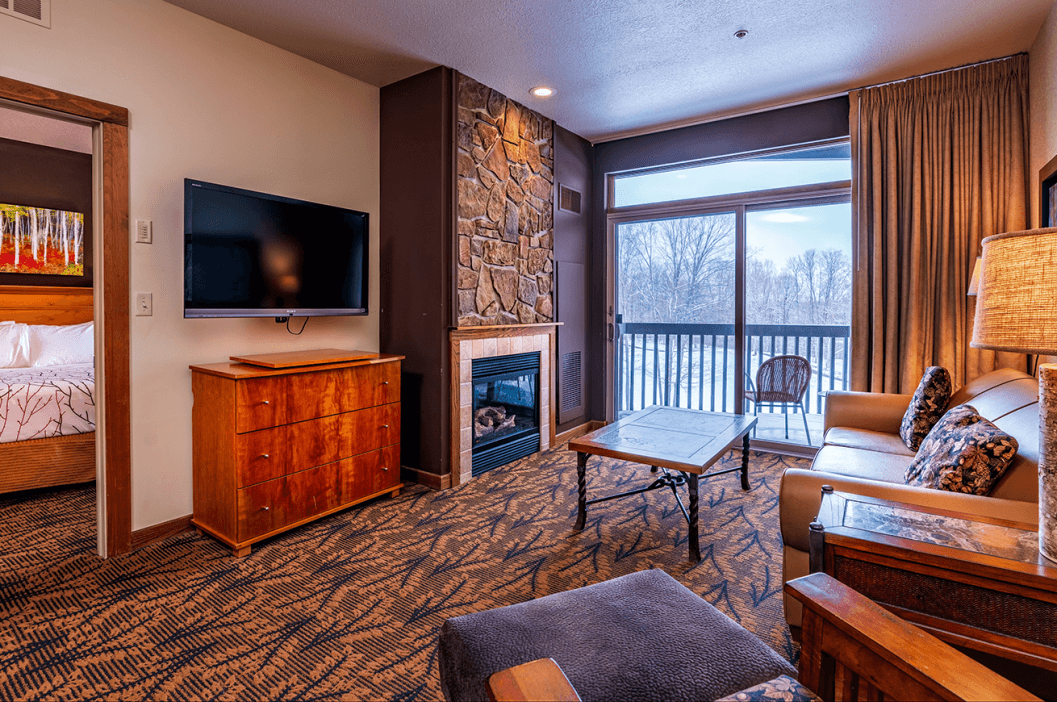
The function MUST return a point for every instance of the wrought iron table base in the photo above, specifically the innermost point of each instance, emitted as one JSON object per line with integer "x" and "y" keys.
{"x": 667, "y": 480}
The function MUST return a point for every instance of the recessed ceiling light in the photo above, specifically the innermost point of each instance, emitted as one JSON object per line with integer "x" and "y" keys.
{"x": 741, "y": 33}
{"x": 542, "y": 91}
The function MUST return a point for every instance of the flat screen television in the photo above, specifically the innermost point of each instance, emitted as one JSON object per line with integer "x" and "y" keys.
{"x": 248, "y": 254}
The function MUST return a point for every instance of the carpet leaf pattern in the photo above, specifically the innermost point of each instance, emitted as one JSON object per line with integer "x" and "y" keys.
{"x": 349, "y": 607}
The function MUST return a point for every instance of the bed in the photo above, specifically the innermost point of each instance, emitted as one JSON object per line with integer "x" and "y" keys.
{"x": 47, "y": 414}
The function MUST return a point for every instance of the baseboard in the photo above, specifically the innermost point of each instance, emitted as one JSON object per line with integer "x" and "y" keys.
{"x": 425, "y": 478}
{"x": 575, "y": 432}
{"x": 160, "y": 532}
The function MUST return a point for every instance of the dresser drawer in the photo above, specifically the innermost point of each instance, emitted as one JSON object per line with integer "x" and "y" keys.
{"x": 325, "y": 393}
{"x": 262, "y": 508}
{"x": 369, "y": 429}
{"x": 369, "y": 473}
{"x": 262, "y": 455}
{"x": 260, "y": 403}
{"x": 274, "y": 504}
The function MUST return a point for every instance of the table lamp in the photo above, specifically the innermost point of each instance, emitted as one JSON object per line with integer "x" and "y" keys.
{"x": 1016, "y": 310}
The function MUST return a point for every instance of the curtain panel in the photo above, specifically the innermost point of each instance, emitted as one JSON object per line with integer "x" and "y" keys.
{"x": 938, "y": 163}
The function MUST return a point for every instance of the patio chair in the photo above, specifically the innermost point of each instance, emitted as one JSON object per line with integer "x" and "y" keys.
{"x": 782, "y": 380}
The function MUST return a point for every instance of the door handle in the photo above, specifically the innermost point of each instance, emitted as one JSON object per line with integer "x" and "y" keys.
{"x": 610, "y": 332}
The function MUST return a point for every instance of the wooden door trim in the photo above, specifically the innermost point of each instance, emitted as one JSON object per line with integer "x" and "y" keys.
{"x": 113, "y": 288}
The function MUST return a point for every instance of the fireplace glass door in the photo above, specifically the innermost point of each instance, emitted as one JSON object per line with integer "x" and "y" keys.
{"x": 505, "y": 409}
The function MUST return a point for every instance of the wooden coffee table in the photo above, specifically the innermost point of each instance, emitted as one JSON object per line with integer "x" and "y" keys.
{"x": 666, "y": 438}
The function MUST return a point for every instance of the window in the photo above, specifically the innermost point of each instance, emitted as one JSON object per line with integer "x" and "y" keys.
{"x": 813, "y": 166}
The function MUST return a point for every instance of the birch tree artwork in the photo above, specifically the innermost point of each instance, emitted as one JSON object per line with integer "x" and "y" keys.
{"x": 42, "y": 241}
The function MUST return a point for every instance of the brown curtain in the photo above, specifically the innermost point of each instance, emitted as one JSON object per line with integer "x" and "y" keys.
{"x": 938, "y": 163}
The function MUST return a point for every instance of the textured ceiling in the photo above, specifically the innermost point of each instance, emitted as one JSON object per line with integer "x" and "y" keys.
{"x": 622, "y": 67}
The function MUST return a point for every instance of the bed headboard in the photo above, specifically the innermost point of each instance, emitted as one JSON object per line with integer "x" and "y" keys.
{"x": 38, "y": 304}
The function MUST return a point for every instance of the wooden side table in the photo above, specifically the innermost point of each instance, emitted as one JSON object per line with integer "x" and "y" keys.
{"x": 971, "y": 581}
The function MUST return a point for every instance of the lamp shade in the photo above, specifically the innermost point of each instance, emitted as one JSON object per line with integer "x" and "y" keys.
{"x": 1016, "y": 303}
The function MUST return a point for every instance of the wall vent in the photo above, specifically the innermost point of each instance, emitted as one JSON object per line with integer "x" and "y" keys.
{"x": 571, "y": 396}
{"x": 568, "y": 200}
{"x": 35, "y": 11}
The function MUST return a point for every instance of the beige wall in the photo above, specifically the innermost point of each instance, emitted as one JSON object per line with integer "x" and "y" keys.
{"x": 209, "y": 103}
{"x": 1043, "y": 57}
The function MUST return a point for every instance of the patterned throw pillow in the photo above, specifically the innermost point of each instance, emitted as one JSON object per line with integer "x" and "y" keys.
{"x": 928, "y": 405}
{"x": 963, "y": 453}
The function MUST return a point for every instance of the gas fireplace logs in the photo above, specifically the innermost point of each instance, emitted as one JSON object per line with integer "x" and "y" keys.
{"x": 488, "y": 420}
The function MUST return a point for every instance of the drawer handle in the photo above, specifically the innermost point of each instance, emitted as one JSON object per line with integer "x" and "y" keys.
{"x": 265, "y": 509}
{"x": 385, "y": 426}
{"x": 264, "y": 402}
{"x": 385, "y": 382}
{"x": 264, "y": 455}
{"x": 385, "y": 468}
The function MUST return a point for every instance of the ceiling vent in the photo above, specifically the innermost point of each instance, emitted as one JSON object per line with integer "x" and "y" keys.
{"x": 35, "y": 11}
{"x": 568, "y": 199}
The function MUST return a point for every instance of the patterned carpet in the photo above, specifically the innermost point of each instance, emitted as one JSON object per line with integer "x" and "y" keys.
{"x": 349, "y": 607}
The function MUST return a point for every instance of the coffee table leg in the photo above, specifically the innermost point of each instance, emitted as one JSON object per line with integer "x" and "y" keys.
{"x": 581, "y": 486}
{"x": 695, "y": 546}
{"x": 745, "y": 462}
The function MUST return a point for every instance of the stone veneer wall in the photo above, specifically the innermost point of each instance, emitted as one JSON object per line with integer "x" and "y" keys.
{"x": 505, "y": 216}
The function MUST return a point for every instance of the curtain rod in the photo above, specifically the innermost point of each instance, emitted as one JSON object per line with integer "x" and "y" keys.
{"x": 936, "y": 73}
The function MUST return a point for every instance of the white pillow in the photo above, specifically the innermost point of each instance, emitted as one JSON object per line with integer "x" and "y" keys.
{"x": 14, "y": 345}
{"x": 51, "y": 345}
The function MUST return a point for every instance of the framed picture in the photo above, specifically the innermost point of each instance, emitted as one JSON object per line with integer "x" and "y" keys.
{"x": 1048, "y": 199}
{"x": 41, "y": 241}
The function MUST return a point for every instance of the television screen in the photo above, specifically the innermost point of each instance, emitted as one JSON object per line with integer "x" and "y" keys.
{"x": 248, "y": 254}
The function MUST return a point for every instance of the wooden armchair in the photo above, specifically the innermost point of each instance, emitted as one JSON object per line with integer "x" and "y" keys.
{"x": 852, "y": 649}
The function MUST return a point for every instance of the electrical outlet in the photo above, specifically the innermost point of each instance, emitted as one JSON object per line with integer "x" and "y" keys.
{"x": 144, "y": 305}
{"x": 144, "y": 231}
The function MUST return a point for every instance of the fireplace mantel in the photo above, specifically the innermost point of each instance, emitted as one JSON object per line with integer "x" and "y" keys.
{"x": 468, "y": 343}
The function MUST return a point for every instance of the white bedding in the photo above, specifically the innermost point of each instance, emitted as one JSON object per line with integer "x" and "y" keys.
{"x": 38, "y": 403}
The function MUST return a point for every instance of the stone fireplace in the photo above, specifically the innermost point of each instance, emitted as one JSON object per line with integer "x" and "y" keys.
{"x": 521, "y": 373}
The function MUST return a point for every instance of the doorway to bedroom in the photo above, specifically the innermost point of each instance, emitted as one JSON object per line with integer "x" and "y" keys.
{"x": 48, "y": 396}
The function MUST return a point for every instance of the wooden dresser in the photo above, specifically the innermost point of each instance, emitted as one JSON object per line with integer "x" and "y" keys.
{"x": 275, "y": 448}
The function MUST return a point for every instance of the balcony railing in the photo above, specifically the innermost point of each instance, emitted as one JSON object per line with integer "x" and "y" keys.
{"x": 692, "y": 365}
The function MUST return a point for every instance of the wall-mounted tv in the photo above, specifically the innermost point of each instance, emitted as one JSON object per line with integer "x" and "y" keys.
{"x": 248, "y": 254}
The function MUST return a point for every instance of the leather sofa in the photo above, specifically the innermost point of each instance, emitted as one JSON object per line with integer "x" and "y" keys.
{"x": 863, "y": 454}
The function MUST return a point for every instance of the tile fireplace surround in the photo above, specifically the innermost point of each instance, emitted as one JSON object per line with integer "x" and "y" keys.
{"x": 468, "y": 343}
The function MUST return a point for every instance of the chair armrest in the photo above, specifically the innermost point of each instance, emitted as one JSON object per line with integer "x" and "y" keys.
{"x": 541, "y": 679}
{"x": 876, "y": 411}
{"x": 850, "y": 637}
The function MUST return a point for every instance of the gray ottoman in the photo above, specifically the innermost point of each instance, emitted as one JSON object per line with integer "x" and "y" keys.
{"x": 642, "y": 636}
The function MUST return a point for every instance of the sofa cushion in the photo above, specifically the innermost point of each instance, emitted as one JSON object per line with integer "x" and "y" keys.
{"x": 1008, "y": 397}
{"x": 867, "y": 440}
{"x": 963, "y": 453}
{"x": 986, "y": 382}
{"x": 928, "y": 405}
{"x": 862, "y": 463}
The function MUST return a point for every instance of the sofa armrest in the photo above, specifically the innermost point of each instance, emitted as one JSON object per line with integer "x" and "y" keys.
{"x": 876, "y": 411}
{"x": 801, "y": 494}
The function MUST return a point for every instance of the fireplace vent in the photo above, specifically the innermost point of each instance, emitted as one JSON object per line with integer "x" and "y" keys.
{"x": 571, "y": 397}
{"x": 35, "y": 11}
{"x": 568, "y": 200}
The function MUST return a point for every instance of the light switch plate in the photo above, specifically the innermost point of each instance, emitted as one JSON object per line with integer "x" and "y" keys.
{"x": 144, "y": 305}
{"x": 144, "y": 231}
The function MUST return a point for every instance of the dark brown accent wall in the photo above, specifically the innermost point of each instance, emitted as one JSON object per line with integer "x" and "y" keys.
{"x": 56, "y": 179}
{"x": 573, "y": 158}
{"x": 799, "y": 124}
{"x": 417, "y": 241}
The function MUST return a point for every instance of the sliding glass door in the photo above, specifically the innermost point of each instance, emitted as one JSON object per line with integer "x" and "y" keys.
{"x": 676, "y": 342}
{"x": 734, "y": 301}
{"x": 797, "y": 306}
